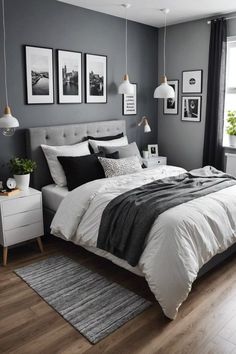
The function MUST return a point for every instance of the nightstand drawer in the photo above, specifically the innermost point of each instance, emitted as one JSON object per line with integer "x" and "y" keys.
{"x": 24, "y": 233}
{"x": 22, "y": 219}
{"x": 20, "y": 205}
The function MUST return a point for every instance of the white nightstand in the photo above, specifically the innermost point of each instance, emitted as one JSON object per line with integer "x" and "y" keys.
{"x": 155, "y": 161}
{"x": 21, "y": 219}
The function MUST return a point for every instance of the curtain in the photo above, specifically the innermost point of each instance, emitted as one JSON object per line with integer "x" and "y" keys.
{"x": 213, "y": 149}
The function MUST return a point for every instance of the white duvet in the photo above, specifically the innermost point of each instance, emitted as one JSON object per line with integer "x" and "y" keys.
{"x": 180, "y": 242}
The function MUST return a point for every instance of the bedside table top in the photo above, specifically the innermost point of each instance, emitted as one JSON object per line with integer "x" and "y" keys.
{"x": 29, "y": 192}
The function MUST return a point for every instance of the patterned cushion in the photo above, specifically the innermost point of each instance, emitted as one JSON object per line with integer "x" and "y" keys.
{"x": 120, "y": 167}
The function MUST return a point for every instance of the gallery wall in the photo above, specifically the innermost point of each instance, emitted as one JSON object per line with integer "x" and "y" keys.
{"x": 49, "y": 23}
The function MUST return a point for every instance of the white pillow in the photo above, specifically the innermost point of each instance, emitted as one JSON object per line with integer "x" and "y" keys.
{"x": 115, "y": 142}
{"x": 113, "y": 167}
{"x": 51, "y": 153}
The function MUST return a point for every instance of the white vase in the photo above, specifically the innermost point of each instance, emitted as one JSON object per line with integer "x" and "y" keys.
{"x": 145, "y": 154}
{"x": 232, "y": 140}
{"x": 22, "y": 181}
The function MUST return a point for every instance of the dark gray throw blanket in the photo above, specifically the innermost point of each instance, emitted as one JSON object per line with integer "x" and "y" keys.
{"x": 128, "y": 218}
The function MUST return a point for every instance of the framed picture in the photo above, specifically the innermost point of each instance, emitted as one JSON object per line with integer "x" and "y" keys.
{"x": 39, "y": 75}
{"x": 153, "y": 150}
{"x": 96, "y": 78}
{"x": 191, "y": 108}
{"x": 129, "y": 103}
{"x": 192, "y": 81}
{"x": 69, "y": 76}
{"x": 171, "y": 104}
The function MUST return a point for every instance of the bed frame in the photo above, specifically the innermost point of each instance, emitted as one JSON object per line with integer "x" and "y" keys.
{"x": 72, "y": 134}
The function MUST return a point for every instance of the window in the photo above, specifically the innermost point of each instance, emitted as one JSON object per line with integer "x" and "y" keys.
{"x": 230, "y": 96}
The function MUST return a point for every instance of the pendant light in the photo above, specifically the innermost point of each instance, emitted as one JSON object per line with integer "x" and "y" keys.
{"x": 126, "y": 87}
{"x": 164, "y": 90}
{"x": 7, "y": 122}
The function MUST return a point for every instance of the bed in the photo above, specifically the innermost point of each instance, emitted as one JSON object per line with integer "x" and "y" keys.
{"x": 53, "y": 196}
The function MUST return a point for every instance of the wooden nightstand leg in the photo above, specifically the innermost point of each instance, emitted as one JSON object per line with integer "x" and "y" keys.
{"x": 40, "y": 244}
{"x": 5, "y": 252}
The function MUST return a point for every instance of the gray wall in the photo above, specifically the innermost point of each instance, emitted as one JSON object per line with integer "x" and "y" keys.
{"x": 52, "y": 24}
{"x": 187, "y": 49}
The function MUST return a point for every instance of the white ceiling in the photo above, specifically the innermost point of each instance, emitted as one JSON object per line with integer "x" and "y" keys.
{"x": 146, "y": 11}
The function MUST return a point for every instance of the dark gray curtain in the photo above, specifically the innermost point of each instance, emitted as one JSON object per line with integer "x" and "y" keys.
{"x": 213, "y": 150}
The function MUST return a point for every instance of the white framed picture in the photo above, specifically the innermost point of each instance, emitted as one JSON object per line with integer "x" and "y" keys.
{"x": 171, "y": 104}
{"x": 191, "y": 108}
{"x": 69, "y": 76}
{"x": 152, "y": 150}
{"x": 130, "y": 103}
{"x": 192, "y": 81}
{"x": 39, "y": 75}
{"x": 96, "y": 78}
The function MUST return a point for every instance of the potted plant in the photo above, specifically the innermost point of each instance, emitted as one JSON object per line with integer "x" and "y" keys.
{"x": 145, "y": 152}
{"x": 21, "y": 169}
{"x": 231, "y": 127}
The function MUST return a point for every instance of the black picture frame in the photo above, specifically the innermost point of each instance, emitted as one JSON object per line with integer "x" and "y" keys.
{"x": 124, "y": 101}
{"x": 175, "y": 110}
{"x": 61, "y": 98}
{"x": 88, "y": 97}
{"x": 32, "y": 98}
{"x": 187, "y": 87}
{"x": 191, "y": 117}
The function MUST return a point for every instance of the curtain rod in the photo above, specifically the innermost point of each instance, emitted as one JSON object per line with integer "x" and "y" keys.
{"x": 227, "y": 18}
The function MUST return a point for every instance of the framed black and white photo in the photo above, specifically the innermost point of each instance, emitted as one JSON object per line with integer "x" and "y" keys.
{"x": 129, "y": 103}
{"x": 96, "y": 78}
{"x": 153, "y": 150}
{"x": 69, "y": 76}
{"x": 191, "y": 108}
{"x": 39, "y": 75}
{"x": 171, "y": 104}
{"x": 192, "y": 81}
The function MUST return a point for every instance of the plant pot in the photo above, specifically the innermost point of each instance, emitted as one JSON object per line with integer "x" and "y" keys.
{"x": 232, "y": 140}
{"x": 145, "y": 154}
{"x": 22, "y": 181}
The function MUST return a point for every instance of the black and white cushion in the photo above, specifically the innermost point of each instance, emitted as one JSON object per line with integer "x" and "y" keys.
{"x": 120, "y": 167}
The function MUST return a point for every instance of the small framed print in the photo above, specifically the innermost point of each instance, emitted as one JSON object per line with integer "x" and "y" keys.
{"x": 192, "y": 81}
{"x": 96, "y": 78}
{"x": 69, "y": 76}
{"x": 129, "y": 103}
{"x": 191, "y": 109}
{"x": 171, "y": 104}
{"x": 39, "y": 75}
{"x": 153, "y": 150}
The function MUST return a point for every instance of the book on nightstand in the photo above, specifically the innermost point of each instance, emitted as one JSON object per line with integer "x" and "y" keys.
{"x": 9, "y": 192}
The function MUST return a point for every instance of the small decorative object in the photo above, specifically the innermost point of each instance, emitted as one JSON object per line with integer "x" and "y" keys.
{"x": 153, "y": 150}
{"x": 171, "y": 104}
{"x": 11, "y": 183}
{"x": 69, "y": 76}
{"x": 231, "y": 127}
{"x": 21, "y": 169}
{"x": 96, "y": 78}
{"x": 145, "y": 153}
{"x": 192, "y": 81}
{"x": 39, "y": 75}
{"x": 8, "y": 123}
{"x": 130, "y": 103}
{"x": 191, "y": 109}
{"x": 144, "y": 121}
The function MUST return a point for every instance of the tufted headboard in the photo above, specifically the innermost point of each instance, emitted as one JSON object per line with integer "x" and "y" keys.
{"x": 63, "y": 135}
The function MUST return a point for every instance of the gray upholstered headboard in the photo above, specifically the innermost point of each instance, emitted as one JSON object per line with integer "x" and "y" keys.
{"x": 64, "y": 135}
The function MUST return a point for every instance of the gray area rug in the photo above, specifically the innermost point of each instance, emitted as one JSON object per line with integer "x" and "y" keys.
{"x": 93, "y": 305}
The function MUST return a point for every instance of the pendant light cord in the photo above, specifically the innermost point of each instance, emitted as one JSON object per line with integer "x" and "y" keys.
{"x": 126, "y": 46}
{"x": 4, "y": 50}
{"x": 164, "y": 49}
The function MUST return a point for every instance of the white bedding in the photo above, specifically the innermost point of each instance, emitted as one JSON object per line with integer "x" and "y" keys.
{"x": 53, "y": 195}
{"x": 180, "y": 242}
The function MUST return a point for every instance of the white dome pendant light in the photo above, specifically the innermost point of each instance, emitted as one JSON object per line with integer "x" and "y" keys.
{"x": 7, "y": 122}
{"x": 126, "y": 87}
{"x": 164, "y": 90}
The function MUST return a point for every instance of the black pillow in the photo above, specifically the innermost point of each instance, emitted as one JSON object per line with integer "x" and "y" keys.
{"x": 103, "y": 138}
{"x": 82, "y": 169}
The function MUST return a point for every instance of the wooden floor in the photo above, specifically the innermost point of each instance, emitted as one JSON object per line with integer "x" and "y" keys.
{"x": 206, "y": 322}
